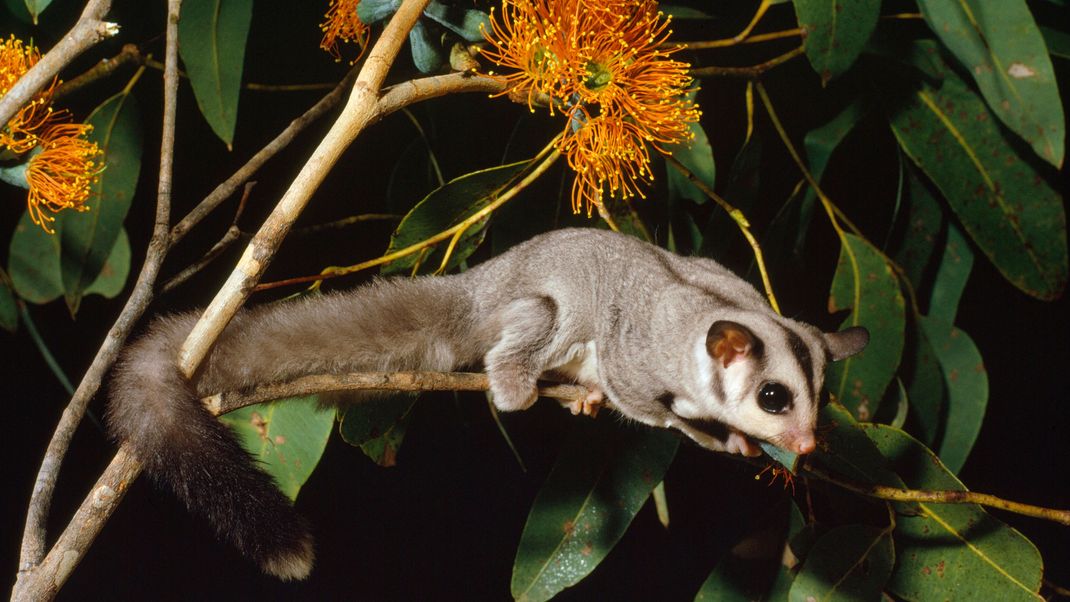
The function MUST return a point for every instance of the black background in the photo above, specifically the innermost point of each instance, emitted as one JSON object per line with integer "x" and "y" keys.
{"x": 445, "y": 522}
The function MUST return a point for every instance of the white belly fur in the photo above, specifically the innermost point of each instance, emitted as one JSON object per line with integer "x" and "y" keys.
{"x": 580, "y": 363}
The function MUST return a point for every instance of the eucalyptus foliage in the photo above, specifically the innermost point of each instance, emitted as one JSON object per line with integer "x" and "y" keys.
{"x": 961, "y": 103}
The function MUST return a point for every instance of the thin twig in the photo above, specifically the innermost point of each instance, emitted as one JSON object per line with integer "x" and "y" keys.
{"x": 896, "y": 494}
{"x": 408, "y": 382}
{"x": 754, "y": 39}
{"x": 130, "y": 54}
{"x": 232, "y": 234}
{"x": 739, "y": 37}
{"x": 231, "y": 184}
{"x": 40, "y": 579}
{"x": 345, "y": 222}
{"x": 749, "y": 72}
{"x": 87, "y": 31}
{"x": 741, "y": 221}
{"x": 359, "y": 111}
{"x": 449, "y": 233}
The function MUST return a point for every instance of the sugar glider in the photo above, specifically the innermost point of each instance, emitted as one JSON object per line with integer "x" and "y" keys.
{"x": 669, "y": 341}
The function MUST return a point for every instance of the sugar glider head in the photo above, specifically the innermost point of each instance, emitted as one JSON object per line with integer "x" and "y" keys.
{"x": 763, "y": 378}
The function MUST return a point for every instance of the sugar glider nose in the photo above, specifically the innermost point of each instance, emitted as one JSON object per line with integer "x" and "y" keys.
{"x": 805, "y": 444}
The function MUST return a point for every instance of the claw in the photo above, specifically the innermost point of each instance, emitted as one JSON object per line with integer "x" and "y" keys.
{"x": 589, "y": 405}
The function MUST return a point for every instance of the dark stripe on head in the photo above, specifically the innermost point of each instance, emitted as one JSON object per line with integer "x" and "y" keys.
{"x": 801, "y": 352}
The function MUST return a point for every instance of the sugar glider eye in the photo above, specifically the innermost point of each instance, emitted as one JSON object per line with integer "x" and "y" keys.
{"x": 774, "y": 398}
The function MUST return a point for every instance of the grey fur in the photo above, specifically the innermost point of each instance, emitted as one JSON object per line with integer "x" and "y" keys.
{"x": 624, "y": 318}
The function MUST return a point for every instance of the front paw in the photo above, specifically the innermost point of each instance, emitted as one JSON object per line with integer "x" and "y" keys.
{"x": 512, "y": 392}
{"x": 738, "y": 443}
{"x": 589, "y": 405}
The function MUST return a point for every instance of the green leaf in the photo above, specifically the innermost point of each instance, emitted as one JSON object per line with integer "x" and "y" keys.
{"x": 602, "y": 478}
{"x": 9, "y": 311}
{"x": 33, "y": 261}
{"x": 445, "y": 207}
{"x": 925, "y": 386}
{"x": 697, "y": 157}
{"x": 286, "y": 438}
{"x": 87, "y": 238}
{"x": 998, "y": 43}
{"x": 744, "y": 573}
{"x": 36, "y": 7}
{"x": 212, "y": 35}
{"x": 465, "y": 22}
{"x": 427, "y": 54}
{"x": 951, "y": 551}
{"x": 377, "y": 426}
{"x": 112, "y": 277}
{"x": 847, "y": 450}
{"x": 851, "y": 562}
{"x": 951, "y": 276}
{"x": 967, "y": 386}
{"x": 924, "y": 219}
{"x": 836, "y": 32}
{"x": 785, "y": 458}
{"x": 1058, "y": 42}
{"x": 866, "y": 284}
{"x": 1009, "y": 209}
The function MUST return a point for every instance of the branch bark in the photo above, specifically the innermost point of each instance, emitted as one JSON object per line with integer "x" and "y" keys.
{"x": 374, "y": 381}
{"x": 34, "y": 580}
{"x": 87, "y": 31}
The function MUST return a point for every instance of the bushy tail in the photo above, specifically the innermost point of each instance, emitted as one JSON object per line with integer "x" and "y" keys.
{"x": 390, "y": 325}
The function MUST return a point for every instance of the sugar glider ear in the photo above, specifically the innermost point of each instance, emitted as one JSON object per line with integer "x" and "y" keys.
{"x": 729, "y": 342}
{"x": 847, "y": 342}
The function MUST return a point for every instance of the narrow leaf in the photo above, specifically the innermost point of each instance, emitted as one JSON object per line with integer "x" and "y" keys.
{"x": 212, "y": 35}
{"x": 36, "y": 7}
{"x": 1009, "y": 209}
{"x": 851, "y": 562}
{"x": 951, "y": 551}
{"x": 925, "y": 386}
{"x": 697, "y": 157}
{"x": 87, "y": 238}
{"x": 1001, "y": 47}
{"x": 33, "y": 261}
{"x": 967, "y": 386}
{"x": 112, "y": 277}
{"x": 602, "y": 478}
{"x": 286, "y": 437}
{"x": 951, "y": 276}
{"x": 443, "y": 208}
{"x": 836, "y": 32}
{"x": 866, "y": 284}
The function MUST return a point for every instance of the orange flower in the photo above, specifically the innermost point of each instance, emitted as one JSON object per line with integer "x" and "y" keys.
{"x": 21, "y": 133}
{"x": 342, "y": 25}
{"x": 61, "y": 175}
{"x": 602, "y": 64}
{"x": 535, "y": 38}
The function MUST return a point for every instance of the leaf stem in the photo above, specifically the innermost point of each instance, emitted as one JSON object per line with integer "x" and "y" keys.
{"x": 741, "y": 221}
{"x": 432, "y": 240}
{"x": 896, "y": 494}
{"x": 752, "y": 72}
{"x": 740, "y": 37}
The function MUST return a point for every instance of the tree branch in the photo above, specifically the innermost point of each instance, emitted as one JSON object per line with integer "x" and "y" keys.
{"x": 374, "y": 381}
{"x": 896, "y": 494}
{"x": 87, "y": 31}
{"x": 231, "y": 185}
{"x": 35, "y": 580}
